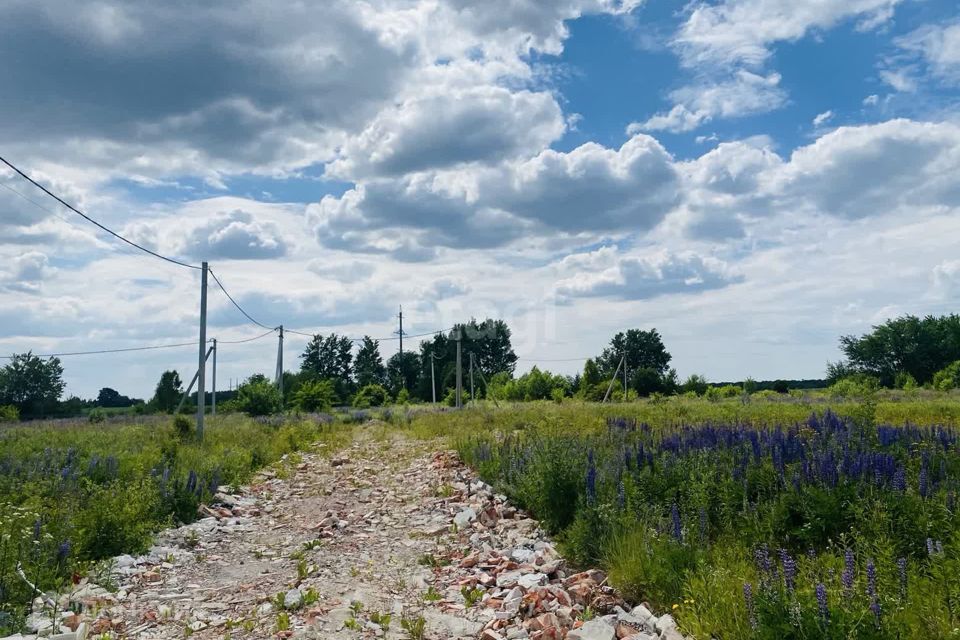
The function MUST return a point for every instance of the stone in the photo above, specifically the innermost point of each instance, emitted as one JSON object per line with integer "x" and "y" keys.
{"x": 292, "y": 599}
{"x": 464, "y": 518}
{"x": 593, "y": 630}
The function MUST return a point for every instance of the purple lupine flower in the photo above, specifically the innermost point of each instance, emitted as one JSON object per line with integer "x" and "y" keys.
{"x": 761, "y": 558}
{"x": 871, "y": 579}
{"x": 902, "y": 571}
{"x": 63, "y": 552}
{"x": 822, "y": 603}
{"x": 900, "y": 479}
{"x": 789, "y": 570}
{"x": 36, "y": 530}
{"x": 748, "y": 600}
{"x": 676, "y": 524}
{"x": 848, "y": 570}
{"x": 875, "y": 608}
{"x": 924, "y": 484}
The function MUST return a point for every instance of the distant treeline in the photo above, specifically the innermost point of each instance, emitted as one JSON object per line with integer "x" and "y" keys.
{"x": 781, "y": 386}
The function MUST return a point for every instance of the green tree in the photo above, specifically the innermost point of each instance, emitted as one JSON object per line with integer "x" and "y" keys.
{"x": 372, "y": 395}
{"x": 258, "y": 397}
{"x": 403, "y": 372}
{"x": 368, "y": 367}
{"x": 168, "y": 392}
{"x": 314, "y": 396}
{"x": 908, "y": 344}
{"x": 329, "y": 358}
{"x": 948, "y": 377}
{"x": 643, "y": 349}
{"x": 31, "y": 384}
{"x": 489, "y": 341}
{"x": 696, "y": 383}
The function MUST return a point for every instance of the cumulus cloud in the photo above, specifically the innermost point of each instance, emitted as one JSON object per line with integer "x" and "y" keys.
{"x": 935, "y": 47}
{"x": 236, "y": 235}
{"x": 588, "y": 189}
{"x": 946, "y": 279}
{"x": 444, "y": 288}
{"x": 744, "y": 93}
{"x": 347, "y": 271}
{"x": 443, "y": 129}
{"x": 731, "y": 40}
{"x": 27, "y": 272}
{"x": 641, "y": 277}
{"x": 823, "y": 118}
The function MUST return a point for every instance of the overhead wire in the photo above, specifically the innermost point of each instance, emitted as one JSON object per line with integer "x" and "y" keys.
{"x": 236, "y": 304}
{"x": 103, "y": 227}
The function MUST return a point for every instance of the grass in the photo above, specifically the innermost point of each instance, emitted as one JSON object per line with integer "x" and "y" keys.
{"x": 72, "y": 493}
{"x": 802, "y": 516}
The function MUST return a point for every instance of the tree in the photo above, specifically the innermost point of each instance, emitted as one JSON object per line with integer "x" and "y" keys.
{"x": 489, "y": 341}
{"x": 329, "y": 358}
{"x": 643, "y": 349}
{"x": 372, "y": 395}
{"x": 908, "y": 344}
{"x": 696, "y": 383}
{"x": 368, "y": 367}
{"x": 403, "y": 372}
{"x": 258, "y": 397}
{"x": 31, "y": 384}
{"x": 112, "y": 398}
{"x": 314, "y": 396}
{"x": 168, "y": 392}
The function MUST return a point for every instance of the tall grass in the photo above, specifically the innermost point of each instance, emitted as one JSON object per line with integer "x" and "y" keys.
{"x": 765, "y": 519}
{"x": 72, "y": 492}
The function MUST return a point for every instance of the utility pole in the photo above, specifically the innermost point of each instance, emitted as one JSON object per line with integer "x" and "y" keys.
{"x": 401, "y": 336}
{"x": 202, "y": 362}
{"x": 213, "y": 400}
{"x": 471, "y": 377}
{"x": 624, "y": 376}
{"x": 433, "y": 381}
{"x": 459, "y": 369}
{"x": 280, "y": 363}
{"x": 613, "y": 379}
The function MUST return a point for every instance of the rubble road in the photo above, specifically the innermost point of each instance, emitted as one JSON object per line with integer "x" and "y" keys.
{"x": 386, "y": 538}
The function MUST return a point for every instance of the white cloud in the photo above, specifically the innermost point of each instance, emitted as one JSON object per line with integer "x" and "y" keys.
{"x": 822, "y": 118}
{"x": 27, "y": 272}
{"x": 946, "y": 279}
{"x": 235, "y": 235}
{"x": 938, "y": 47}
{"x": 871, "y": 101}
{"x": 444, "y": 128}
{"x": 742, "y": 94}
{"x": 638, "y": 277}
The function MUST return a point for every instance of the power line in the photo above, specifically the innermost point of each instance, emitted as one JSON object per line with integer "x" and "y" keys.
{"x": 239, "y": 308}
{"x": 259, "y": 337}
{"x": 553, "y": 359}
{"x": 90, "y": 353}
{"x": 91, "y": 220}
{"x": 387, "y": 339}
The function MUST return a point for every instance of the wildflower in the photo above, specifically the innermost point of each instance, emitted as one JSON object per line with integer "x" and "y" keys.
{"x": 848, "y": 571}
{"x": 761, "y": 557}
{"x": 591, "y": 478}
{"x": 871, "y": 579}
{"x": 676, "y": 525}
{"x": 821, "y": 591}
{"x": 36, "y": 530}
{"x": 902, "y": 571}
{"x": 789, "y": 570}
{"x": 748, "y": 600}
{"x": 930, "y": 548}
{"x": 63, "y": 552}
{"x": 924, "y": 486}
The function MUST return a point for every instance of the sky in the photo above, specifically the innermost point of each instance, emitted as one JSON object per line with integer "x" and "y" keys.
{"x": 753, "y": 178}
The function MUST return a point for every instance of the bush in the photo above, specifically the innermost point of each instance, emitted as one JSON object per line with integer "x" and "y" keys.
{"x": 315, "y": 396}
{"x": 372, "y": 395}
{"x": 695, "y": 383}
{"x": 9, "y": 413}
{"x": 558, "y": 395}
{"x": 183, "y": 427}
{"x": 726, "y": 391}
{"x": 96, "y": 416}
{"x": 855, "y": 386}
{"x": 904, "y": 380}
{"x": 403, "y": 397}
{"x": 259, "y": 398}
{"x": 947, "y": 378}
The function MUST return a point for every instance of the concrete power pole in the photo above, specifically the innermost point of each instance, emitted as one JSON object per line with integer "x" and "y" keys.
{"x": 202, "y": 362}
{"x": 624, "y": 376}
{"x": 459, "y": 369}
{"x": 213, "y": 399}
{"x": 280, "y": 363}
{"x": 433, "y": 380}
{"x": 471, "y": 377}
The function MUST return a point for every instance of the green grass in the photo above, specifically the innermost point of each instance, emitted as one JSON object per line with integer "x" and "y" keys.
{"x": 72, "y": 492}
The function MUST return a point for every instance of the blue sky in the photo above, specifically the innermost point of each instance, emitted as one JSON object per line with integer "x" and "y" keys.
{"x": 753, "y": 178}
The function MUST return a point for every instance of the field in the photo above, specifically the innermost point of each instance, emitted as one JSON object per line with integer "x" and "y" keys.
{"x": 74, "y": 493}
{"x": 763, "y": 517}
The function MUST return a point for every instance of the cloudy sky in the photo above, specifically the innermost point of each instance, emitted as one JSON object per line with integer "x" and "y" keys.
{"x": 753, "y": 178}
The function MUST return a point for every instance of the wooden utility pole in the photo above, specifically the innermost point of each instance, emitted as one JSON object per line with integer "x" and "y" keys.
{"x": 202, "y": 360}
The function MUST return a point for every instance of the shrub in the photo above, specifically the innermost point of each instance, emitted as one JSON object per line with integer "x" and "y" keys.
{"x": 558, "y": 395}
{"x": 695, "y": 383}
{"x": 183, "y": 427}
{"x": 904, "y": 380}
{"x": 372, "y": 395}
{"x": 403, "y": 397}
{"x": 259, "y": 398}
{"x": 855, "y": 386}
{"x": 750, "y": 386}
{"x": 118, "y": 518}
{"x": 315, "y": 396}
{"x": 96, "y": 416}
{"x": 947, "y": 378}
{"x": 9, "y": 413}
{"x": 726, "y": 391}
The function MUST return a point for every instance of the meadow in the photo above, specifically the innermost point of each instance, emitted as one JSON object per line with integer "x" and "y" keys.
{"x": 75, "y": 493}
{"x": 802, "y": 517}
